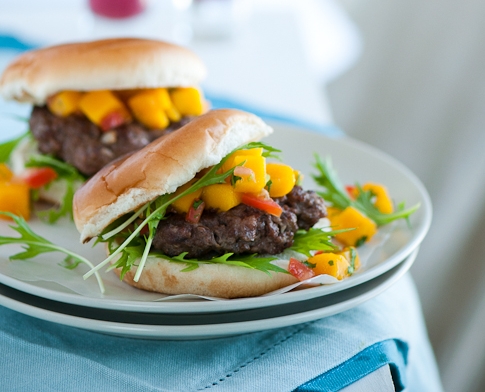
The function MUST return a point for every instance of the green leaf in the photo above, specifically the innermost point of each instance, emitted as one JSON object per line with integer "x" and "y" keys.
{"x": 353, "y": 255}
{"x": 333, "y": 190}
{"x": 63, "y": 169}
{"x": 34, "y": 245}
{"x": 268, "y": 151}
{"x": 246, "y": 261}
{"x": 7, "y": 147}
{"x": 314, "y": 239}
{"x": 334, "y": 193}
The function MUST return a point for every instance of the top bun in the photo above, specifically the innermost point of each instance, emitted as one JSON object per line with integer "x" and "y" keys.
{"x": 110, "y": 64}
{"x": 161, "y": 167}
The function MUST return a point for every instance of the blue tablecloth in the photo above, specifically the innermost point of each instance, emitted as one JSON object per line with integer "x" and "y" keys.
{"x": 324, "y": 355}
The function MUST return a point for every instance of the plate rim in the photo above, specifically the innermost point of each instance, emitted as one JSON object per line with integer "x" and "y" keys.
{"x": 210, "y": 331}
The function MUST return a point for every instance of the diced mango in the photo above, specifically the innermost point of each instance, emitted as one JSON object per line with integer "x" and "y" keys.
{"x": 97, "y": 105}
{"x": 183, "y": 204}
{"x": 173, "y": 114}
{"x": 282, "y": 179}
{"x": 254, "y": 182}
{"x": 188, "y": 101}
{"x": 15, "y": 198}
{"x": 383, "y": 201}
{"x": 333, "y": 264}
{"x": 148, "y": 107}
{"x": 229, "y": 163}
{"x": 222, "y": 197}
{"x": 64, "y": 103}
{"x": 364, "y": 228}
{"x": 5, "y": 173}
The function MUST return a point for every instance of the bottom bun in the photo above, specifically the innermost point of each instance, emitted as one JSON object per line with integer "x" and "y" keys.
{"x": 211, "y": 280}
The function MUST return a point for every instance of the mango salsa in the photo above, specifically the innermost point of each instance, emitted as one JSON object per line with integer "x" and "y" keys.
{"x": 188, "y": 101}
{"x": 15, "y": 198}
{"x": 365, "y": 228}
{"x": 383, "y": 201}
{"x": 282, "y": 179}
{"x": 148, "y": 107}
{"x": 222, "y": 197}
{"x": 64, "y": 103}
{"x": 254, "y": 182}
{"x": 230, "y": 162}
{"x": 5, "y": 173}
{"x": 333, "y": 264}
{"x": 98, "y": 105}
{"x": 183, "y": 204}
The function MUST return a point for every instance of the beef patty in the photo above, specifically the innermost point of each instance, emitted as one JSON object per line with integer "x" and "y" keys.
{"x": 242, "y": 229}
{"x": 77, "y": 141}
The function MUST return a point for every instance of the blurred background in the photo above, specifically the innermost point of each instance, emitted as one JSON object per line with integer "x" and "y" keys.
{"x": 405, "y": 76}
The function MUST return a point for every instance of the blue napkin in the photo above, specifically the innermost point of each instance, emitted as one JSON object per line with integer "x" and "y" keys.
{"x": 324, "y": 355}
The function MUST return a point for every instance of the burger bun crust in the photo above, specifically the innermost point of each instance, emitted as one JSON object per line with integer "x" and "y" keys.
{"x": 110, "y": 64}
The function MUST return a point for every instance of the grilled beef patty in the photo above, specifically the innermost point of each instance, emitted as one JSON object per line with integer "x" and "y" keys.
{"x": 79, "y": 142}
{"x": 242, "y": 229}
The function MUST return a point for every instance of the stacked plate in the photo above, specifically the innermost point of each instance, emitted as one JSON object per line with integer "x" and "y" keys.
{"x": 42, "y": 289}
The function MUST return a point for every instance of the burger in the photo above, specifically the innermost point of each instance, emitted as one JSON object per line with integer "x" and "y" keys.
{"x": 96, "y": 101}
{"x": 203, "y": 211}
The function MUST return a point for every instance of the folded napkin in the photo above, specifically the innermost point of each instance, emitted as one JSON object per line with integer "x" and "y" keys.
{"x": 324, "y": 355}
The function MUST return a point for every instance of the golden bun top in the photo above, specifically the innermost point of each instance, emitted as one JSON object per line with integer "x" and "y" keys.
{"x": 110, "y": 64}
{"x": 161, "y": 167}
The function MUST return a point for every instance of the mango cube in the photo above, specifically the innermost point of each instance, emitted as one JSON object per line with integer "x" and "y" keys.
{"x": 148, "y": 107}
{"x": 64, "y": 103}
{"x": 5, "y": 173}
{"x": 364, "y": 228}
{"x": 221, "y": 197}
{"x": 97, "y": 105}
{"x": 254, "y": 182}
{"x": 328, "y": 263}
{"x": 183, "y": 204}
{"x": 188, "y": 101}
{"x": 15, "y": 198}
{"x": 230, "y": 163}
{"x": 282, "y": 179}
{"x": 173, "y": 114}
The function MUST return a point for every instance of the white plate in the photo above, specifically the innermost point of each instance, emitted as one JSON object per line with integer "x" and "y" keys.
{"x": 200, "y": 326}
{"x": 354, "y": 161}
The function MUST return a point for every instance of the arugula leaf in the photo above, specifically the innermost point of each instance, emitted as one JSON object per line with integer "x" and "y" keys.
{"x": 314, "y": 239}
{"x": 66, "y": 172}
{"x": 34, "y": 245}
{"x": 334, "y": 193}
{"x": 268, "y": 151}
{"x": 246, "y": 261}
{"x": 7, "y": 147}
{"x": 63, "y": 169}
